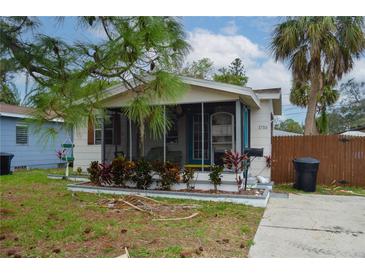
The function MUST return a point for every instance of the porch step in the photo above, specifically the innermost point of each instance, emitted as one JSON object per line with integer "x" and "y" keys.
{"x": 227, "y": 178}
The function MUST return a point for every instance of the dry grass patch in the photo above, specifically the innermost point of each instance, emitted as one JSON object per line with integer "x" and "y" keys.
{"x": 41, "y": 218}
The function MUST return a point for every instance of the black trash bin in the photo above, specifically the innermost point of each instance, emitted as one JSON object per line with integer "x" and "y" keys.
{"x": 306, "y": 169}
{"x": 5, "y": 162}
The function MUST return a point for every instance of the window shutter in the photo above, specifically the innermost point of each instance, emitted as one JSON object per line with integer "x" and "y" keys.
{"x": 90, "y": 133}
{"x": 21, "y": 134}
{"x": 117, "y": 128}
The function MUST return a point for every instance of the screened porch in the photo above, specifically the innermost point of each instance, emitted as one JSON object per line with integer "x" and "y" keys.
{"x": 198, "y": 136}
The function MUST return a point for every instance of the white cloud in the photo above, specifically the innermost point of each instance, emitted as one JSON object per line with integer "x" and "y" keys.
{"x": 262, "y": 70}
{"x": 230, "y": 29}
{"x": 222, "y": 49}
{"x": 357, "y": 72}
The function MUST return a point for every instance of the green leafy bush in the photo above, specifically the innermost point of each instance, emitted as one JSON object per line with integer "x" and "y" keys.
{"x": 216, "y": 175}
{"x": 122, "y": 170}
{"x": 94, "y": 172}
{"x": 142, "y": 174}
{"x": 187, "y": 175}
{"x": 169, "y": 174}
{"x": 79, "y": 170}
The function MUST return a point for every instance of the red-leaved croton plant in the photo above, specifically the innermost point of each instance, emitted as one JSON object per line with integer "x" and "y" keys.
{"x": 236, "y": 161}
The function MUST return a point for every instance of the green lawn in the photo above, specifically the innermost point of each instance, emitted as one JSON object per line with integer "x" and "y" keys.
{"x": 40, "y": 218}
{"x": 323, "y": 189}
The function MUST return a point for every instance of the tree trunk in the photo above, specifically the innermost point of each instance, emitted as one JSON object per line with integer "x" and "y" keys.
{"x": 141, "y": 140}
{"x": 310, "y": 127}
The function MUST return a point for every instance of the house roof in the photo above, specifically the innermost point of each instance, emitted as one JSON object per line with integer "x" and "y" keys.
{"x": 250, "y": 96}
{"x": 271, "y": 94}
{"x": 14, "y": 111}
{"x": 358, "y": 128}
{"x": 353, "y": 133}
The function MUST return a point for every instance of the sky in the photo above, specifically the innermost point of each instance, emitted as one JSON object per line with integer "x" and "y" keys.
{"x": 221, "y": 39}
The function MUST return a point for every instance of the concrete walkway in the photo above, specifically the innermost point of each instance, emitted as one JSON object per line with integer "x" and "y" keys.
{"x": 311, "y": 225}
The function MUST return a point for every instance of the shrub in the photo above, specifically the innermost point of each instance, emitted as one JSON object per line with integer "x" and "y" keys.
{"x": 169, "y": 175}
{"x": 94, "y": 172}
{"x": 268, "y": 160}
{"x": 237, "y": 162}
{"x": 187, "y": 175}
{"x": 121, "y": 170}
{"x": 79, "y": 170}
{"x": 142, "y": 174}
{"x": 216, "y": 176}
{"x": 106, "y": 176}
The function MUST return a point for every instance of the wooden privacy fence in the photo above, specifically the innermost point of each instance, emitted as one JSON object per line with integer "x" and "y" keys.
{"x": 342, "y": 158}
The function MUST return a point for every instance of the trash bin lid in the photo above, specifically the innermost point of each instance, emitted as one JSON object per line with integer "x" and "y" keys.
{"x": 6, "y": 154}
{"x": 306, "y": 160}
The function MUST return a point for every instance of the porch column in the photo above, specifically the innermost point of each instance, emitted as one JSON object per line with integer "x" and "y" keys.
{"x": 202, "y": 136}
{"x": 130, "y": 139}
{"x": 102, "y": 141}
{"x": 115, "y": 133}
{"x": 164, "y": 134}
{"x": 238, "y": 127}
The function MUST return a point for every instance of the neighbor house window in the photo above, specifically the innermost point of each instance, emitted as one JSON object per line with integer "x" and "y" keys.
{"x": 21, "y": 134}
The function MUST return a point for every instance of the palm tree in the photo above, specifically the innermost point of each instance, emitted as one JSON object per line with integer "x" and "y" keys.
{"x": 317, "y": 46}
{"x": 165, "y": 87}
{"x": 299, "y": 96}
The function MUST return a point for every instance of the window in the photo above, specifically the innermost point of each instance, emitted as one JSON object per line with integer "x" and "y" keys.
{"x": 97, "y": 130}
{"x": 21, "y": 134}
{"x": 108, "y": 130}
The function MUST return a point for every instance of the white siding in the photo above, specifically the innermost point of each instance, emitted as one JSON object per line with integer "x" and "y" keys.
{"x": 261, "y": 136}
{"x": 83, "y": 152}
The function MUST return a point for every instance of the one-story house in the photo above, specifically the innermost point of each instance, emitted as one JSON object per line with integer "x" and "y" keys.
{"x": 31, "y": 147}
{"x": 208, "y": 119}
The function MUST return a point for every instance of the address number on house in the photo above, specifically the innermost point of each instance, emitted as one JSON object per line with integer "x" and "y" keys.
{"x": 262, "y": 127}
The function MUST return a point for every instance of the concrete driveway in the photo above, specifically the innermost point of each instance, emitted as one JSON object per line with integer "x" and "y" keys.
{"x": 311, "y": 225}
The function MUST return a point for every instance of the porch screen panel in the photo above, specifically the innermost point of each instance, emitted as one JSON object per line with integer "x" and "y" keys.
{"x": 197, "y": 139}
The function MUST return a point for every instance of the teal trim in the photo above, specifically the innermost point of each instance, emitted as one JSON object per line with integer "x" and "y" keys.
{"x": 189, "y": 127}
{"x": 67, "y": 145}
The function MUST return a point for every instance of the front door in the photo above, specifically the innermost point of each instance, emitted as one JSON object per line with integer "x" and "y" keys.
{"x": 222, "y": 135}
{"x": 195, "y": 138}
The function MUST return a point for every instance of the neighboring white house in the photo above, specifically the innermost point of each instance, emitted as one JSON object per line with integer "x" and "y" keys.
{"x": 208, "y": 119}
{"x": 353, "y": 133}
{"x": 278, "y": 132}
